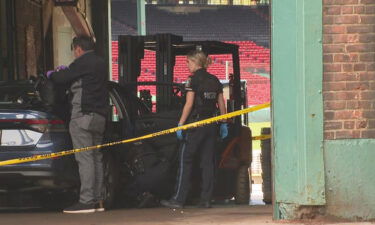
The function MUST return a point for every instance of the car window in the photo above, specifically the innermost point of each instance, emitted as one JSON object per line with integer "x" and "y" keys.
{"x": 134, "y": 106}
{"x": 17, "y": 95}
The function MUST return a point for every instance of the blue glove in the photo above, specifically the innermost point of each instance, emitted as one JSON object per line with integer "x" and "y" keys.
{"x": 49, "y": 73}
{"x": 62, "y": 67}
{"x": 179, "y": 134}
{"x": 223, "y": 130}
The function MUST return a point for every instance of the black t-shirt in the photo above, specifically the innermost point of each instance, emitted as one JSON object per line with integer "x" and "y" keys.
{"x": 206, "y": 87}
{"x": 193, "y": 81}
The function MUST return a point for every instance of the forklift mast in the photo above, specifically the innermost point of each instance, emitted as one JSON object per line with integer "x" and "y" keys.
{"x": 166, "y": 48}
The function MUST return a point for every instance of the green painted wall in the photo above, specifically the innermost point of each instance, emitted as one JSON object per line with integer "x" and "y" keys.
{"x": 350, "y": 178}
{"x": 297, "y": 104}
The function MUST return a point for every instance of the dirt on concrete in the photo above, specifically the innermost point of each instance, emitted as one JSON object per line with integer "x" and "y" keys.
{"x": 219, "y": 215}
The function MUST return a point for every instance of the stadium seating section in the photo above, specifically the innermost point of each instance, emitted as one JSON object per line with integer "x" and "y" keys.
{"x": 254, "y": 61}
{"x": 244, "y": 26}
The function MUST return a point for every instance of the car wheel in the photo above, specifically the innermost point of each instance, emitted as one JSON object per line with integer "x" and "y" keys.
{"x": 242, "y": 195}
{"x": 110, "y": 180}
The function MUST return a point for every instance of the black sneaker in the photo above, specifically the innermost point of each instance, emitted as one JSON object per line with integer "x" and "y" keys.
{"x": 173, "y": 204}
{"x": 80, "y": 208}
{"x": 99, "y": 207}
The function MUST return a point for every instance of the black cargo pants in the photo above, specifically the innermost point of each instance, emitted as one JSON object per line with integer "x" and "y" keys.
{"x": 199, "y": 140}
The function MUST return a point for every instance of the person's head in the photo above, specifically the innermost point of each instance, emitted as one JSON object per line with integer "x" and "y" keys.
{"x": 197, "y": 60}
{"x": 82, "y": 44}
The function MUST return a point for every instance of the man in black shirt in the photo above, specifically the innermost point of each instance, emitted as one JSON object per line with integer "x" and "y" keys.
{"x": 87, "y": 76}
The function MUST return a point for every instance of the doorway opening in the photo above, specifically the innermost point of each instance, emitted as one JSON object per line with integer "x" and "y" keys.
{"x": 243, "y": 23}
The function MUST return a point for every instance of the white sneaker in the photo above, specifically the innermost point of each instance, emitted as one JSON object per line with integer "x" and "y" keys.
{"x": 99, "y": 207}
{"x": 80, "y": 208}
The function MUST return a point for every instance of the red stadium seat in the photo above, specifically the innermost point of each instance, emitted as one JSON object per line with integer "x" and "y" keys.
{"x": 252, "y": 60}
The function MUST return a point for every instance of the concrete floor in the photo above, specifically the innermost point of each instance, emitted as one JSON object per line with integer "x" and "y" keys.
{"x": 220, "y": 215}
{"x": 224, "y": 213}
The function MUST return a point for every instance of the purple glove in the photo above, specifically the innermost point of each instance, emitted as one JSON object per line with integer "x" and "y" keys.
{"x": 62, "y": 67}
{"x": 49, "y": 73}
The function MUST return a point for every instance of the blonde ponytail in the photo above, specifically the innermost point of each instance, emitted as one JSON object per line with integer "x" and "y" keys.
{"x": 200, "y": 58}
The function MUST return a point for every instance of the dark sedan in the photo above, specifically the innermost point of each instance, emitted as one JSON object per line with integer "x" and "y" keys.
{"x": 33, "y": 120}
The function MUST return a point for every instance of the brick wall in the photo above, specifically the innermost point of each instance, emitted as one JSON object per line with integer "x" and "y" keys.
{"x": 349, "y": 68}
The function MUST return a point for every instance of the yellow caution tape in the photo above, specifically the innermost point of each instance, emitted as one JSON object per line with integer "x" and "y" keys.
{"x": 164, "y": 132}
{"x": 261, "y": 137}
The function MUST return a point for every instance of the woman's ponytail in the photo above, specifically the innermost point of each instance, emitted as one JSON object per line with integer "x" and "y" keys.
{"x": 200, "y": 58}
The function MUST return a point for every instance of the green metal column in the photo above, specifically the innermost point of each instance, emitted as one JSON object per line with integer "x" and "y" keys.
{"x": 141, "y": 17}
{"x": 297, "y": 106}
